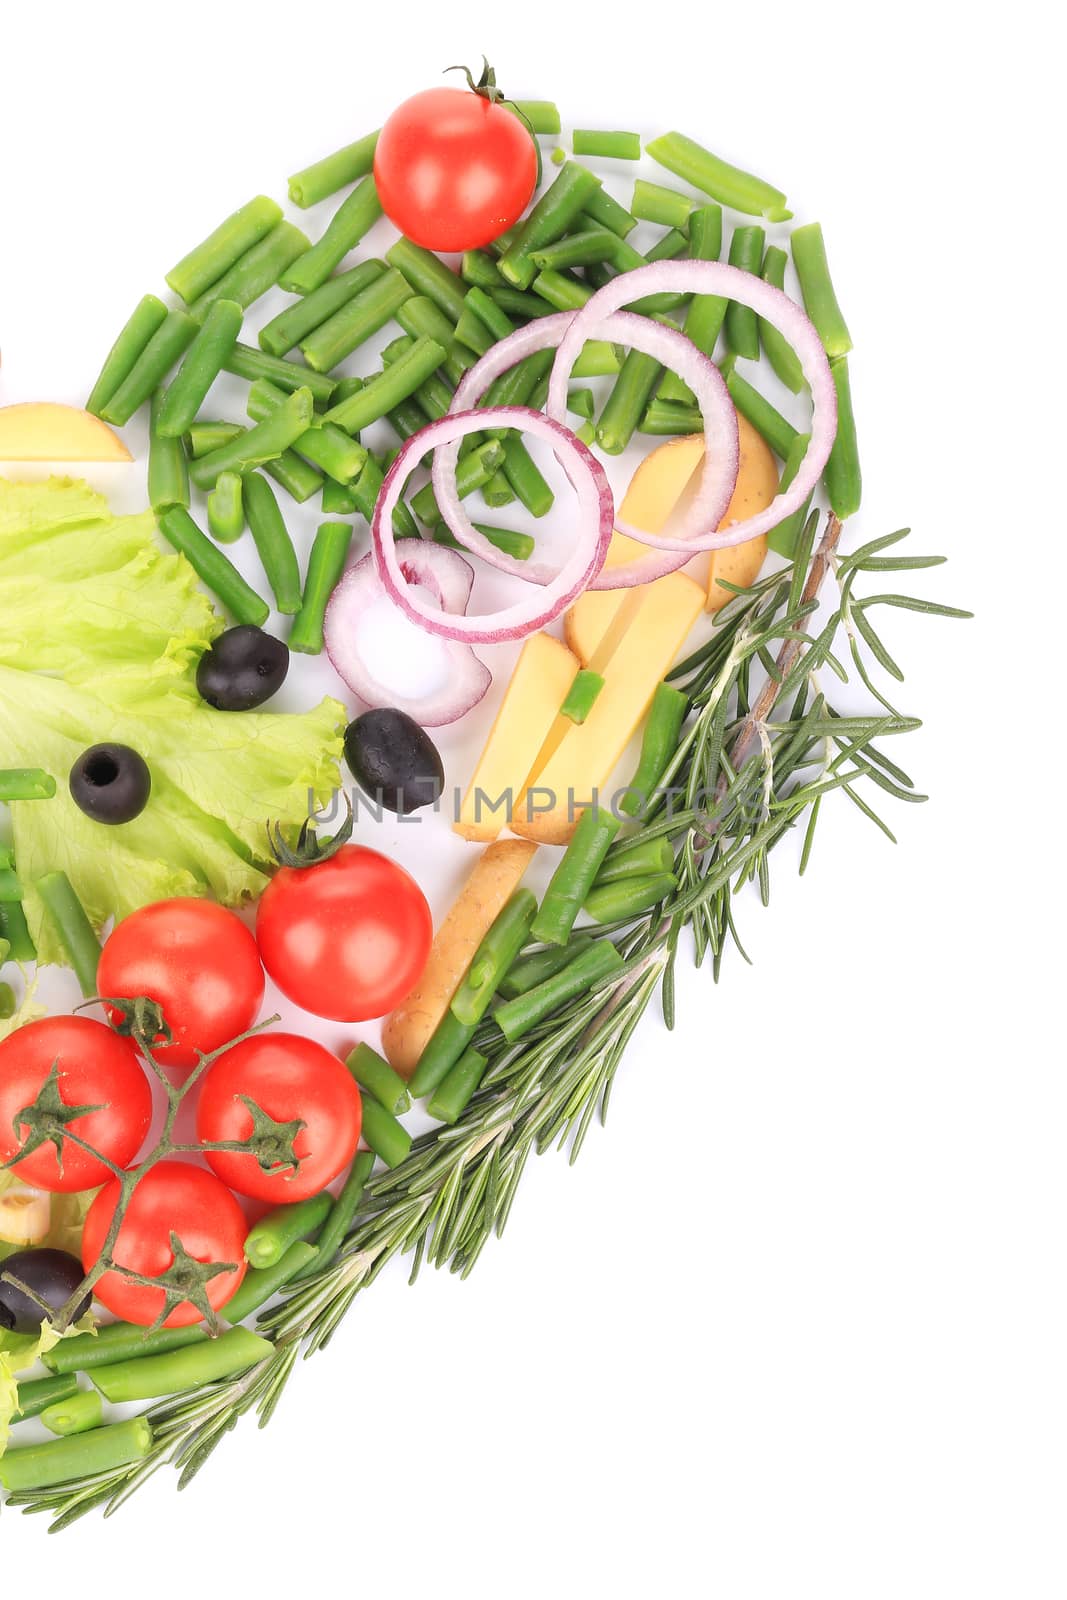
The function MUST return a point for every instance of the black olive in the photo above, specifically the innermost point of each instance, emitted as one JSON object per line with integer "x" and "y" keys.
{"x": 242, "y": 669}
{"x": 110, "y": 783}
{"x": 53, "y": 1275}
{"x": 394, "y": 760}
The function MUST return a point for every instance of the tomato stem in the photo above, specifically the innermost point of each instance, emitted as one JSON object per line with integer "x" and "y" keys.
{"x": 486, "y": 85}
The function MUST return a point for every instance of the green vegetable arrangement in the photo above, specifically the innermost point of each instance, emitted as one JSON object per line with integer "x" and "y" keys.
{"x": 127, "y": 626}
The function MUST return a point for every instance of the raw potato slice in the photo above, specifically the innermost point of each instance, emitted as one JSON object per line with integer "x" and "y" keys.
{"x": 495, "y": 878}
{"x": 655, "y": 490}
{"x": 43, "y": 431}
{"x": 634, "y": 654}
{"x": 543, "y": 674}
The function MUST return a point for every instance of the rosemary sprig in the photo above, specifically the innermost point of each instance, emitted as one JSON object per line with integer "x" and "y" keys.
{"x": 762, "y": 747}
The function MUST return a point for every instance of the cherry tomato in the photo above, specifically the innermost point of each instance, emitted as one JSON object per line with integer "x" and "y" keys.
{"x": 291, "y": 1079}
{"x": 453, "y": 170}
{"x": 346, "y": 938}
{"x": 198, "y": 961}
{"x": 171, "y": 1198}
{"x": 96, "y": 1068}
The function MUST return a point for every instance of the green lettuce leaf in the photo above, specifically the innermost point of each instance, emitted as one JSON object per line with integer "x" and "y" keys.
{"x": 100, "y": 643}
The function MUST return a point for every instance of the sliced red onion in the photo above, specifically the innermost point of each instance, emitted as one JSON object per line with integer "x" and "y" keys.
{"x": 699, "y": 530}
{"x": 362, "y": 626}
{"x": 640, "y": 333}
{"x": 594, "y": 523}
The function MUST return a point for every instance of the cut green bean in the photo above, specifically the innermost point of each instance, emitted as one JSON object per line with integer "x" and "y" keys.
{"x": 626, "y": 403}
{"x": 472, "y": 333}
{"x": 326, "y": 564}
{"x": 258, "y": 270}
{"x": 519, "y": 303}
{"x": 245, "y": 361}
{"x": 338, "y": 499}
{"x": 170, "y": 340}
{"x": 576, "y": 250}
{"x": 485, "y": 307}
{"x": 38, "y": 1394}
{"x": 766, "y": 420}
{"x": 531, "y": 971}
{"x": 608, "y": 144}
{"x": 783, "y": 539}
{"x": 667, "y": 420}
{"x": 559, "y": 156}
{"x": 297, "y": 477}
{"x": 354, "y": 218}
{"x": 776, "y": 347}
{"x": 669, "y": 246}
{"x": 355, "y": 322}
{"x": 150, "y": 1377}
{"x": 459, "y": 1087}
{"x": 581, "y": 403}
{"x": 516, "y": 1017}
{"x": 333, "y": 172}
{"x": 742, "y": 324}
{"x": 168, "y": 467}
{"x": 525, "y": 477}
{"x": 42, "y": 1466}
{"x": 421, "y": 318}
{"x": 575, "y": 875}
{"x": 650, "y": 858}
{"x": 341, "y": 1216}
{"x": 202, "y": 364}
{"x": 388, "y": 388}
{"x": 619, "y": 902}
{"x": 478, "y": 267}
{"x": 514, "y": 387}
{"x": 373, "y": 1073}
{"x": 26, "y": 783}
{"x": 254, "y": 448}
{"x": 542, "y": 115}
{"x": 365, "y": 491}
{"x": 259, "y": 1283}
{"x": 273, "y": 543}
{"x": 723, "y": 182}
{"x": 473, "y": 472}
{"x": 203, "y": 437}
{"x": 582, "y": 695}
{"x": 77, "y": 1414}
{"x": 387, "y": 1137}
{"x": 148, "y": 317}
{"x": 659, "y": 741}
{"x": 520, "y": 546}
{"x": 273, "y": 1235}
{"x": 499, "y": 948}
{"x": 428, "y": 276}
{"x": 72, "y": 928}
{"x": 561, "y": 291}
{"x": 555, "y": 212}
{"x": 843, "y": 480}
{"x": 285, "y": 331}
{"x": 225, "y": 508}
{"x": 498, "y": 493}
{"x": 597, "y": 359}
{"x": 707, "y": 312}
{"x": 406, "y": 420}
{"x": 212, "y": 567}
{"x": 606, "y": 212}
{"x": 816, "y": 286}
{"x": 15, "y": 932}
{"x": 324, "y": 444}
{"x": 212, "y": 259}
{"x": 655, "y": 202}
{"x": 443, "y": 1049}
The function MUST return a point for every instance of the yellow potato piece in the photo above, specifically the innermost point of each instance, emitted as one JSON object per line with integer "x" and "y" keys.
{"x": 496, "y": 876}
{"x": 44, "y": 431}
{"x": 655, "y": 490}
{"x": 544, "y": 672}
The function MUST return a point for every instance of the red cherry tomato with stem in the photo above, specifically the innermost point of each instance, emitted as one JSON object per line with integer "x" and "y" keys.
{"x": 346, "y": 938}
{"x": 291, "y": 1079}
{"x": 171, "y": 1199}
{"x": 454, "y": 169}
{"x": 94, "y": 1068}
{"x": 199, "y": 963}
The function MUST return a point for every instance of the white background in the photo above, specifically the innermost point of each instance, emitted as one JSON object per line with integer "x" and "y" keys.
{"x": 795, "y": 1323}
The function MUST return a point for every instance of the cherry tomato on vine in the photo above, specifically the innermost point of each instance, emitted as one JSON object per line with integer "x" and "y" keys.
{"x": 171, "y": 1199}
{"x": 292, "y": 1080}
{"x": 346, "y": 938}
{"x": 199, "y": 963}
{"x": 454, "y": 169}
{"x": 94, "y": 1068}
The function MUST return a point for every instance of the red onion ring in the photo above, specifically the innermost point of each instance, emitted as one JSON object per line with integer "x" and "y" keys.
{"x": 712, "y": 277}
{"x": 640, "y": 333}
{"x": 447, "y": 576}
{"x": 596, "y": 523}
